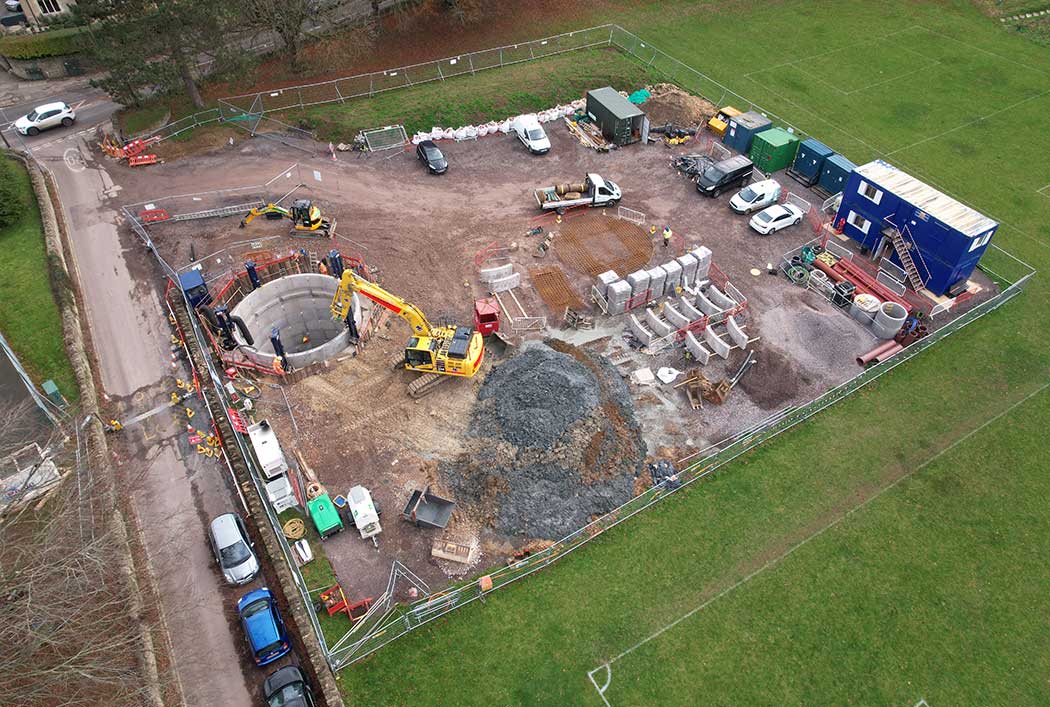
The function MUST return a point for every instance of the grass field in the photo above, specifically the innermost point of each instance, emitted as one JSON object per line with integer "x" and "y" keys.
{"x": 889, "y": 551}
{"x": 29, "y": 317}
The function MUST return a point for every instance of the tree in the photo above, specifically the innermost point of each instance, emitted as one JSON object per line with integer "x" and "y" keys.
{"x": 285, "y": 17}
{"x": 12, "y": 198}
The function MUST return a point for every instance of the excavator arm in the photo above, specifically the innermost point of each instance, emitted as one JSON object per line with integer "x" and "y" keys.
{"x": 351, "y": 282}
{"x": 268, "y": 209}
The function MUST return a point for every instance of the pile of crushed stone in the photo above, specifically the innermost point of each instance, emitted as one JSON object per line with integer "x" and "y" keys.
{"x": 553, "y": 443}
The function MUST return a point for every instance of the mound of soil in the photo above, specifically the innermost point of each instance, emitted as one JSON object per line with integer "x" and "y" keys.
{"x": 553, "y": 443}
{"x": 670, "y": 104}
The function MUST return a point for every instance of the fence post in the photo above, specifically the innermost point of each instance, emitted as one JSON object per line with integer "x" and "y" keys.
{"x": 338, "y": 92}
{"x": 470, "y": 58}
{"x": 300, "y": 92}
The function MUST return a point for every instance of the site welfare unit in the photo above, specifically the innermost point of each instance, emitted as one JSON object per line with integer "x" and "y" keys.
{"x": 273, "y": 465}
{"x": 809, "y": 161}
{"x": 621, "y": 121}
{"x": 774, "y": 149}
{"x": 945, "y": 238}
{"x": 742, "y": 128}
{"x": 834, "y": 173}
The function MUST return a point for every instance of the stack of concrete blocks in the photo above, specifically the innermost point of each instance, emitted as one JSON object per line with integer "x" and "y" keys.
{"x": 657, "y": 277}
{"x": 700, "y": 353}
{"x": 688, "y": 264}
{"x": 500, "y": 278}
{"x": 719, "y": 299}
{"x": 638, "y": 329}
{"x": 617, "y": 295}
{"x": 703, "y": 261}
{"x": 674, "y": 278}
{"x": 718, "y": 345}
{"x": 639, "y": 282}
{"x": 604, "y": 280}
{"x": 736, "y": 333}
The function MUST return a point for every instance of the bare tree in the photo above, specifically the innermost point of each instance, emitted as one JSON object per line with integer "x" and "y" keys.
{"x": 285, "y": 17}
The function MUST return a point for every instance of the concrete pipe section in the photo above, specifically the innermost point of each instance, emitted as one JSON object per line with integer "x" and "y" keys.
{"x": 888, "y": 320}
{"x": 298, "y": 306}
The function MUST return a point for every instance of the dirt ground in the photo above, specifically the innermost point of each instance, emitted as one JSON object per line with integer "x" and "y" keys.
{"x": 424, "y": 233}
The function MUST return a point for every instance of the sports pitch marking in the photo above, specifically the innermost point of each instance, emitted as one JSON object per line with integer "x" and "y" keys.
{"x": 607, "y": 666}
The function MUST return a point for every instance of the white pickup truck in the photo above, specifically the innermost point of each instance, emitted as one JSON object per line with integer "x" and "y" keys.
{"x": 595, "y": 191}
{"x": 273, "y": 465}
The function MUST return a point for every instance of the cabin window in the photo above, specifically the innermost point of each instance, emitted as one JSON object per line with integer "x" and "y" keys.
{"x": 980, "y": 241}
{"x": 870, "y": 192}
{"x": 859, "y": 222}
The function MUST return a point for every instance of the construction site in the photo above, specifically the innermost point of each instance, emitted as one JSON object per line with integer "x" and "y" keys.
{"x": 559, "y": 361}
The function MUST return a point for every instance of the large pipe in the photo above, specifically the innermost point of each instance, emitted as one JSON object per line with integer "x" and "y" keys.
{"x": 875, "y": 352}
{"x": 892, "y": 351}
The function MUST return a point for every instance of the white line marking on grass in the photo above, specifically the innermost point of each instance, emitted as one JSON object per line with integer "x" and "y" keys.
{"x": 831, "y": 51}
{"x": 969, "y": 123}
{"x": 921, "y": 703}
{"x": 776, "y": 560}
{"x": 894, "y": 78}
{"x": 985, "y": 51}
{"x": 1043, "y": 190}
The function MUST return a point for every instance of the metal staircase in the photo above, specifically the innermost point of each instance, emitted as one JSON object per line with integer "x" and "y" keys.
{"x": 896, "y": 236}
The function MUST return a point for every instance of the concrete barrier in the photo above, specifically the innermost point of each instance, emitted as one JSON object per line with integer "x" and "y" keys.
{"x": 659, "y": 327}
{"x": 639, "y": 282}
{"x": 720, "y": 299}
{"x": 707, "y": 306}
{"x": 694, "y": 347}
{"x": 717, "y": 345}
{"x": 643, "y": 334}
{"x": 676, "y": 318}
{"x": 674, "y": 278}
{"x": 505, "y": 283}
{"x": 703, "y": 261}
{"x": 687, "y": 308}
{"x": 736, "y": 333}
{"x": 495, "y": 273}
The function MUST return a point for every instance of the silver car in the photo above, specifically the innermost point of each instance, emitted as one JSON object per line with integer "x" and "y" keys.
{"x": 49, "y": 115}
{"x": 233, "y": 549}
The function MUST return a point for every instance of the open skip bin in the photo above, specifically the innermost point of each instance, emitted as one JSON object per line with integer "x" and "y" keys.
{"x": 428, "y": 510}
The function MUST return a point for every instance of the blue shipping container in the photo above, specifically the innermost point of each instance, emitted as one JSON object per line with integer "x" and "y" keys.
{"x": 809, "y": 162}
{"x": 835, "y": 172}
{"x": 744, "y": 127}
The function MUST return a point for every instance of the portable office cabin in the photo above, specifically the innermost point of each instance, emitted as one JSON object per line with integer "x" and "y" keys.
{"x": 945, "y": 238}
{"x": 809, "y": 161}
{"x": 834, "y": 173}
{"x": 774, "y": 149}
{"x": 621, "y": 121}
{"x": 743, "y": 128}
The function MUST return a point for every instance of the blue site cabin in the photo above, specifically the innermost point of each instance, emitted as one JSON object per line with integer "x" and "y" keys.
{"x": 946, "y": 238}
{"x": 834, "y": 173}
{"x": 809, "y": 161}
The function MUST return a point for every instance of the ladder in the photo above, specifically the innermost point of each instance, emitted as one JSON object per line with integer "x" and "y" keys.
{"x": 211, "y": 213}
{"x": 896, "y": 236}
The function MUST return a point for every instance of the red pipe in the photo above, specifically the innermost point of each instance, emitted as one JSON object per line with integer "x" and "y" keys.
{"x": 892, "y": 351}
{"x": 857, "y": 273}
{"x": 875, "y": 352}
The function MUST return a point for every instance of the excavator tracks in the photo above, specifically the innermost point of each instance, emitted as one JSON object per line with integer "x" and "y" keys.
{"x": 425, "y": 384}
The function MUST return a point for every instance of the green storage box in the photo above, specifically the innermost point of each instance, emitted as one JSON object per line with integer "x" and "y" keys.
{"x": 773, "y": 150}
{"x": 325, "y": 516}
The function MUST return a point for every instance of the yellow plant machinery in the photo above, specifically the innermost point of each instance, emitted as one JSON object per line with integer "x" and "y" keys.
{"x": 436, "y": 352}
{"x": 305, "y": 217}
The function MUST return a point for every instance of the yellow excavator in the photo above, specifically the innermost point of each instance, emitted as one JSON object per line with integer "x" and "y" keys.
{"x": 436, "y": 352}
{"x": 304, "y": 215}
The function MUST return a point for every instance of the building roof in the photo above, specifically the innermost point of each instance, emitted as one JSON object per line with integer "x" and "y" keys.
{"x": 777, "y": 137}
{"x": 922, "y": 196}
{"x": 620, "y": 107}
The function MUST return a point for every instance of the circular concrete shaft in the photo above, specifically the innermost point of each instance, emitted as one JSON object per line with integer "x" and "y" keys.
{"x": 298, "y": 306}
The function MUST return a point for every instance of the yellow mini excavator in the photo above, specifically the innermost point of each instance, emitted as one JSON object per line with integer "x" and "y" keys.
{"x": 304, "y": 215}
{"x": 436, "y": 352}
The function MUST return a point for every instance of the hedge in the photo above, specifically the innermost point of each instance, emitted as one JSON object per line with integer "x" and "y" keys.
{"x": 58, "y": 42}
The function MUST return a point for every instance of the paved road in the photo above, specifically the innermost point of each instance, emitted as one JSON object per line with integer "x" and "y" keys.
{"x": 178, "y": 491}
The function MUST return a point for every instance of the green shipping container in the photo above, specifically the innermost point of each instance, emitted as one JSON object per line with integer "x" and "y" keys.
{"x": 773, "y": 150}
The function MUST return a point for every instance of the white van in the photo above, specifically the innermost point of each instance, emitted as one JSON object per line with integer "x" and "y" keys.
{"x": 531, "y": 134}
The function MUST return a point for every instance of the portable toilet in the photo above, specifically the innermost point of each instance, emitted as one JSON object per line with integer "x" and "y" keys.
{"x": 774, "y": 149}
{"x": 744, "y": 127}
{"x": 809, "y": 161}
{"x": 835, "y": 172}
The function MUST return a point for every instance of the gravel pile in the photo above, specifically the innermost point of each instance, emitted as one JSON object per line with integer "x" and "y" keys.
{"x": 553, "y": 443}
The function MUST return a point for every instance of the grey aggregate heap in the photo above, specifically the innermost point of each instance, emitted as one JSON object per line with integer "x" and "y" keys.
{"x": 553, "y": 443}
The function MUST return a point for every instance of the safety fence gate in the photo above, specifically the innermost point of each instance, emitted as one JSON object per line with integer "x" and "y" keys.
{"x": 385, "y": 138}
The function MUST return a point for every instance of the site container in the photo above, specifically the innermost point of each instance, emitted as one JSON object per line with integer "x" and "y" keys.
{"x": 809, "y": 161}
{"x": 619, "y": 119}
{"x": 743, "y": 128}
{"x": 835, "y": 173}
{"x": 774, "y": 149}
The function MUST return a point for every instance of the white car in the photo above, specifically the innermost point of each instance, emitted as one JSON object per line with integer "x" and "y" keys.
{"x": 778, "y": 216}
{"x": 49, "y": 115}
{"x": 756, "y": 196}
{"x": 233, "y": 549}
{"x": 531, "y": 134}
{"x": 13, "y": 5}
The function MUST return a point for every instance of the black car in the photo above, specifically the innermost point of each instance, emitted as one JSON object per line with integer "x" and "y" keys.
{"x": 287, "y": 687}
{"x": 429, "y": 154}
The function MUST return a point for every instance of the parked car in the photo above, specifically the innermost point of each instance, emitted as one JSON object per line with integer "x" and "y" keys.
{"x": 729, "y": 173}
{"x": 233, "y": 549}
{"x": 429, "y": 154}
{"x": 49, "y": 115}
{"x": 288, "y": 687}
{"x": 778, "y": 216}
{"x": 263, "y": 626}
{"x": 13, "y": 5}
{"x": 530, "y": 132}
{"x": 756, "y": 196}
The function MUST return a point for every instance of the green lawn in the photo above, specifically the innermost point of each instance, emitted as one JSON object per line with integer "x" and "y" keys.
{"x": 29, "y": 317}
{"x": 493, "y": 94}
{"x": 935, "y": 589}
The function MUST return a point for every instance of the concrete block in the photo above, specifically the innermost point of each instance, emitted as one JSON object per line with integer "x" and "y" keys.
{"x": 658, "y": 326}
{"x": 717, "y": 345}
{"x": 688, "y": 263}
{"x": 657, "y": 277}
{"x": 686, "y": 307}
{"x": 674, "y": 278}
{"x": 720, "y": 299}
{"x": 643, "y": 334}
{"x": 639, "y": 282}
{"x": 736, "y": 333}
{"x": 498, "y": 272}
{"x": 677, "y": 319}
{"x": 605, "y": 279}
{"x": 707, "y": 306}
{"x": 505, "y": 283}
{"x": 703, "y": 260}
{"x": 694, "y": 347}
{"x": 619, "y": 291}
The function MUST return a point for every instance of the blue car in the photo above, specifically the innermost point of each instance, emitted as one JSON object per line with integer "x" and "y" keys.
{"x": 263, "y": 626}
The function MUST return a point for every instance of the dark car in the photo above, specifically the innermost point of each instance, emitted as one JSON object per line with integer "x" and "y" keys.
{"x": 288, "y": 687}
{"x": 729, "y": 173}
{"x": 429, "y": 154}
{"x": 263, "y": 626}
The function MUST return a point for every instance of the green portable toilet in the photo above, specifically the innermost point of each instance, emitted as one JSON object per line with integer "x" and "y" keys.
{"x": 773, "y": 150}
{"x": 324, "y": 515}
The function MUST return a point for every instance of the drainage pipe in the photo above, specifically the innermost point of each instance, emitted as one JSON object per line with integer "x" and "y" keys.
{"x": 875, "y": 352}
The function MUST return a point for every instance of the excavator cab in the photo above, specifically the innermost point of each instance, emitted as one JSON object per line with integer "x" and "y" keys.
{"x": 303, "y": 213}
{"x": 418, "y": 353}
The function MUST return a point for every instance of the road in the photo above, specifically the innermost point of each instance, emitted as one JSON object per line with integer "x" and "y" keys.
{"x": 176, "y": 491}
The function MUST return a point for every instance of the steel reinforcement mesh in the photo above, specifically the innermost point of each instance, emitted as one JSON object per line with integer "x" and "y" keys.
{"x": 593, "y": 244}
{"x": 554, "y": 289}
